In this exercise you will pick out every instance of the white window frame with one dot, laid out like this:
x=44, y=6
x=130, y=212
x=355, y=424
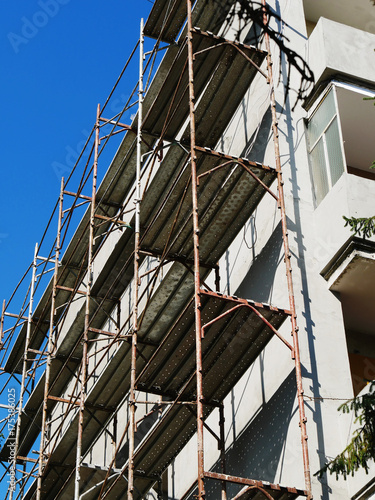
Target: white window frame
x=310, y=148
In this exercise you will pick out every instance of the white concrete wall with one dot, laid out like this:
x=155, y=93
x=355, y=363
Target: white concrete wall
x=337, y=48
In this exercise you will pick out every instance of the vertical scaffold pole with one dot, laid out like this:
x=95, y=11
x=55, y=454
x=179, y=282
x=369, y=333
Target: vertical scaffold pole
x=2, y=324
x=50, y=348
x=197, y=302
x=84, y=366
x=222, y=451
x=281, y=201
x=24, y=365
x=132, y=421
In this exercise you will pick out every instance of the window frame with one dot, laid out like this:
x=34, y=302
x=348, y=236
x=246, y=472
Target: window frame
x=322, y=137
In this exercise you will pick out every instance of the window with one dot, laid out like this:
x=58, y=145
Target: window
x=325, y=147
x=340, y=137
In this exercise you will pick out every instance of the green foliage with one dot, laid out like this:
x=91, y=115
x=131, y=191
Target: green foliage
x=361, y=225
x=361, y=449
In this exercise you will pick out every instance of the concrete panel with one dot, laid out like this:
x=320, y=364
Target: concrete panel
x=337, y=49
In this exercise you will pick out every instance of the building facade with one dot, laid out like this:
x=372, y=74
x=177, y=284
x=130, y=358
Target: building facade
x=208, y=310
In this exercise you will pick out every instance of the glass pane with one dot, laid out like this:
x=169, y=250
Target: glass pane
x=321, y=118
x=319, y=171
x=336, y=163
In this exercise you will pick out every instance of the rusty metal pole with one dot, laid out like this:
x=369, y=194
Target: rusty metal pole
x=114, y=440
x=222, y=451
x=24, y=365
x=217, y=277
x=197, y=301
x=50, y=347
x=84, y=367
x=281, y=202
x=2, y=324
x=132, y=419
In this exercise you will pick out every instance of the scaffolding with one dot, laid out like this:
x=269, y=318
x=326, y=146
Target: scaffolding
x=153, y=232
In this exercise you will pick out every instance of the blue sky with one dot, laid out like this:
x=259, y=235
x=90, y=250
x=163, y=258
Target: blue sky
x=59, y=58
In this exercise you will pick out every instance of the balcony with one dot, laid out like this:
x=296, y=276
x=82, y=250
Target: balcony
x=339, y=138
x=351, y=275
x=351, y=196
x=359, y=14
x=337, y=49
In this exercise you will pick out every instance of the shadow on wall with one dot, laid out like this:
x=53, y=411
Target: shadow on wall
x=259, y=449
x=142, y=429
x=306, y=329
x=258, y=282
x=256, y=146
x=255, y=151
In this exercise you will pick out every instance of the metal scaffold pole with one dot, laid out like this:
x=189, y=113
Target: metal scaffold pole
x=222, y=450
x=197, y=301
x=84, y=363
x=24, y=365
x=287, y=257
x=132, y=425
x=2, y=324
x=50, y=347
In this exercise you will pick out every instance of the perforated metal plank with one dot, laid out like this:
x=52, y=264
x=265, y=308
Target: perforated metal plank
x=167, y=17
x=226, y=200
x=255, y=489
x=221, y=74
x=229, y=349
x=173, y=363
x=276, y=491
x=166, y=20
